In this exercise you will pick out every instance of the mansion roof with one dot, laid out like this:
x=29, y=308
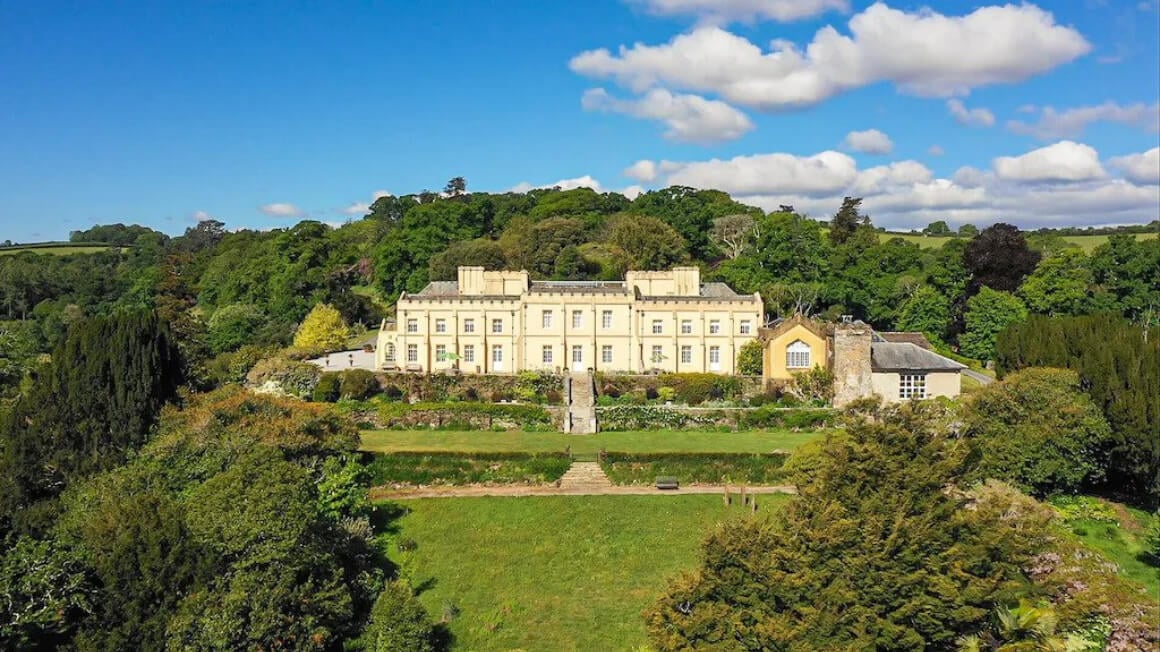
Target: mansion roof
x=447, y=289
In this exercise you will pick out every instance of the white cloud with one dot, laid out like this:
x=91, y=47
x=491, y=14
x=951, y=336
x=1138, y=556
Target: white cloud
x=922, y=53
x=725, y=11
x=1063, y=161
x=357, y=208
x=278, y=209
x=1071, y=123
x=200, y=216
x=1142, y=168
x=906, y=194
x=690, y=118
x=632, y=192
x=978, y=117
x=935, y=150
x=379, y=194
x=585, y=181
x=643, y=171
x=870, y=141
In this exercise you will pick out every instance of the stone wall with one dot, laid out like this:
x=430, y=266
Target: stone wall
x=851, y=363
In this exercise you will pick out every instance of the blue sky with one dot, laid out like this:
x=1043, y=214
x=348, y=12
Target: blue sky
x=162, y=112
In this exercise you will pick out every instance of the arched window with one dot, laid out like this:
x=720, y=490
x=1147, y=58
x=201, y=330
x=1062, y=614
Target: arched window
x=797, y=355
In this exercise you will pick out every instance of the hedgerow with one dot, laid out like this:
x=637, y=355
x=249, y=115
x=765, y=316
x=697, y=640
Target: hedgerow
x=695, y=468
x=451, y=468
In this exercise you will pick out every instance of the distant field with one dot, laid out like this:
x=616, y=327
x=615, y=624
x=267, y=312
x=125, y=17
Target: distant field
x=55, y=249
x=1087, y=242
x=553, y=573
x=647, y=441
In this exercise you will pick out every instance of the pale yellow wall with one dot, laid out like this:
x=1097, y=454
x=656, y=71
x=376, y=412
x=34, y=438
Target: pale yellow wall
x=775, y=350
x=630, y=333
x=940, y=383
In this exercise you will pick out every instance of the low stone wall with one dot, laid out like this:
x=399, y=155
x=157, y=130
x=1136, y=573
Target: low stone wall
x=658, y=417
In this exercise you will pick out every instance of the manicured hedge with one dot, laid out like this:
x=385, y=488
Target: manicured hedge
x=450, y=468
x=695, y=468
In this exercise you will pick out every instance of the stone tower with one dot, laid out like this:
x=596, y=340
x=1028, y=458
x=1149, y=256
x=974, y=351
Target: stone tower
x=851, y=362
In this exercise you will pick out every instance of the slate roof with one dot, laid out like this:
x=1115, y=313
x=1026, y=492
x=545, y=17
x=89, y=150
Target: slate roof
x=918, y=339
x=717, y=291
x=440, y=289
x=906, y=356
x=708, y=290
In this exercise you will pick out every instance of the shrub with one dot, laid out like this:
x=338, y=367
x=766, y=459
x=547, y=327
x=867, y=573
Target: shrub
x=327, y=389
x=451, y=468
x=399, y=622
x=651, y=394
x=610, y=390
x=696, y=468
x=553, y=397
x=470, y=394
x=666, y=393
x=358, y=384
x=232, y=367
x=470, y=415
x=322, y=329
x=392, y=392
x=283, y=376
x=501, y=395
x=1152, y=538
x=814, y=386
x=749, y=362
x=772, y=417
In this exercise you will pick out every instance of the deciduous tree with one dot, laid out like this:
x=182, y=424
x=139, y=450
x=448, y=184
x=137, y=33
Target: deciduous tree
x=323, y=329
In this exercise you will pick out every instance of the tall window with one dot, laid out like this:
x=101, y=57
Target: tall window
x=606, y=319
x=912, y=386
x=546, y=354
x=497, y=353
x=440, y=325
x=577, y=353
x=440, y=352
x=745, y=327
x=686, y=327
x=546, y=319
x=606, y=354
x=390, y=355
x=577, y=318
x=469, y=325
x=797, y=355
x=714, y=356
x=686, y=354
x=658, y=354
x=714, y=326
x=497, y=325
x=469, y=353
x=412, y=353
x=412, y=325
x=658, y=327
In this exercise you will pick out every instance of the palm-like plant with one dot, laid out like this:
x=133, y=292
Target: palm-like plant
x=1026, y=628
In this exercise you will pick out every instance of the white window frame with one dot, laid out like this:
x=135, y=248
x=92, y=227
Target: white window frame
x=497, y=325
x=469, y=325
x=546, y=354
x=606, y=354
x=686, y=354
x=469, y=353
x=745, y=328
x=412, y=353
x=546, y=319
x=412, y=325
x=389, y=356
x=686, y=327
x=911, y=386
x=798, y=355
x=657, y=355
x=577, y=319
x=658, y=327
x=577, y=353
x=497, y=353
x=714, y=358
x=440, y=352
x=606, y=319
x=440, y=325
x=714, y=326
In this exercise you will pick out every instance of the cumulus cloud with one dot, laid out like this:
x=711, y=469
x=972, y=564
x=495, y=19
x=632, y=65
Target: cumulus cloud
x=200, y=216
x=870, y=141
x=357, y=208
x=1063, y=161
x=935, y=150
x=585, y=181
x=1070, y=123
x=1142, y=168
x=978, y=117
x=725, y=11
x=923, y=53
x=643, y=171
x=1061, y=185
x=689, y=118
x=279, y=209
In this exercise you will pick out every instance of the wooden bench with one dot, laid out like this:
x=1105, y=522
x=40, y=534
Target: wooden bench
x=667, y=482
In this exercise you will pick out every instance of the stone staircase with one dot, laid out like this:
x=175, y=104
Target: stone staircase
x=581, y=405
x=584, y=477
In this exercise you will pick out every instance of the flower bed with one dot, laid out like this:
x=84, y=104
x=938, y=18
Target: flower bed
x=424, y=469
x=695, y=468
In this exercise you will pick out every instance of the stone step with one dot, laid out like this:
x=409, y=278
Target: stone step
x=584, y=475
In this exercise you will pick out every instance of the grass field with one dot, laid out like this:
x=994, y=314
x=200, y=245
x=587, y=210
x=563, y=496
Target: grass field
x=53, y=251
x=647, y=441
x=553, y=573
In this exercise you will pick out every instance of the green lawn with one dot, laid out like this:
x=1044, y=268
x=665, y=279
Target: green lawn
x=646, y=441
x=1123, y=545
x=1086, y=242
x=553, y=573
x=54, y=251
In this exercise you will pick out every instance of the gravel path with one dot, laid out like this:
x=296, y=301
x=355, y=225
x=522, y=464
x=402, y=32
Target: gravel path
x=383, y=493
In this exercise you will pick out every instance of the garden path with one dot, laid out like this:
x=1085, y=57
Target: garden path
x=388, y=493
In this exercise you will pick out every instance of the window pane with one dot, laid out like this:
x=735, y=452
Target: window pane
x=577, y=353
x=606, y=353
x=468, y=325
x=577, y=318
x=606, y=319
x=547, y=354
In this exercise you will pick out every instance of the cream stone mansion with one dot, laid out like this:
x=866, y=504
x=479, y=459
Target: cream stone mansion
x=503, y=322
